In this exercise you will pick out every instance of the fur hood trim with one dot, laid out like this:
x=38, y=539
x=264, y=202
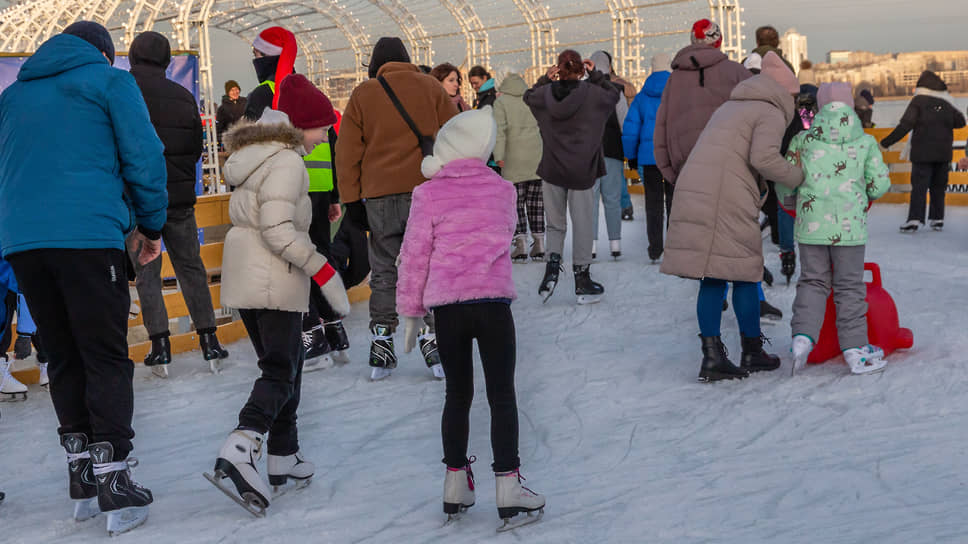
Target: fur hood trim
x=246, y=133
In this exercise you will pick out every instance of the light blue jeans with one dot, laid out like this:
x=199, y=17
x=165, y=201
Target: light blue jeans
x=609, y=187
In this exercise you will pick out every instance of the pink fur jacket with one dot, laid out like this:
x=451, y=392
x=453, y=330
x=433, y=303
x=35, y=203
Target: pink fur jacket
x=458, y=240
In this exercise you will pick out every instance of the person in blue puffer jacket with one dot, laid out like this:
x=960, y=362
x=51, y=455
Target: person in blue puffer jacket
x=81, y=167
x=637, y=142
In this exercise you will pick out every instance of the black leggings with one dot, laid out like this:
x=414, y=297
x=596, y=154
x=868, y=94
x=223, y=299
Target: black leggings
x=491, y=323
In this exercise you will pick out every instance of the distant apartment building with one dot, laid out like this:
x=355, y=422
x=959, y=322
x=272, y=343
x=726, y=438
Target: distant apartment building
x=838, y=57
x=794, y=46
x=894, y=74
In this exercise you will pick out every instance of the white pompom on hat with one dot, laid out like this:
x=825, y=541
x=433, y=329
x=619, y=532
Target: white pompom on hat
x=468, y=135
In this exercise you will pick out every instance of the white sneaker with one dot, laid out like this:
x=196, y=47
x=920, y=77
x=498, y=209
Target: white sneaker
x=10, y=387
x=801, y=348
x=458, y=489
x=860, y=363
x=283, y=467
x=438, y=371
x=44, y=379
x=911, y=226
x=513, y=498
x=378, y=373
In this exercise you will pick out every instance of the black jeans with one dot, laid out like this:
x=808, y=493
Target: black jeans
x=491, y=323
x=9, y=302
x=80, y=299
x=321, y=236
x=658, y=205
x=272, y=405
x=927, y=176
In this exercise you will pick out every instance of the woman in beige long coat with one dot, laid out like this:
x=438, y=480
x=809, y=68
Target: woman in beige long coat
x=714, y=232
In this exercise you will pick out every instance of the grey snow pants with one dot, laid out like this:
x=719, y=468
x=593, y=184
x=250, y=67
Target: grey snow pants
x=840, y=267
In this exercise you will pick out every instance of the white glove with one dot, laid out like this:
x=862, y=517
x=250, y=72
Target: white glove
x=411, y=327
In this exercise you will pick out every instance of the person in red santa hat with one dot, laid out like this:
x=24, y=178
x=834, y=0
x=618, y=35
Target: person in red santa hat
x=275, y=52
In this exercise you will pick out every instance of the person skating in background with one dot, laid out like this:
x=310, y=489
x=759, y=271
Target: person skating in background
x=378, y=165
x=609, y=187
x=807, y=75
x=843, y=174
x=450, y=79
x=484, y=85
x=518, y=151
x=10, y=387
x=174, y=114
x=572, y=104
x=714, y=233
x=767, y=41
x=637, y=142
x=932, y=115
x=109, y=178
x=274, y=51
x=864, y=107
x=232, y=108
x=27, y=336
x=455, y=262
x=268, y=265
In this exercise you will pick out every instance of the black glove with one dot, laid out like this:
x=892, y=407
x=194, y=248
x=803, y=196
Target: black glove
x=356, y=214
x=633, y=164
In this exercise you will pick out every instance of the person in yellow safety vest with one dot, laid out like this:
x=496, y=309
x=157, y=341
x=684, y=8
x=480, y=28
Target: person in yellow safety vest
x=274, y=51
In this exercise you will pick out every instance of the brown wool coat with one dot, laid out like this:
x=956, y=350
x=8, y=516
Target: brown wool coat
x=377, y=154
x=714, y=229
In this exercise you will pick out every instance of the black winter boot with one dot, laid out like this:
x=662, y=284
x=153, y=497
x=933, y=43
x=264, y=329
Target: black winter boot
x=755, y=359
x=160, y=353
x=211, y=349
x=550, y=280
x=715, y=362
x=587, y=291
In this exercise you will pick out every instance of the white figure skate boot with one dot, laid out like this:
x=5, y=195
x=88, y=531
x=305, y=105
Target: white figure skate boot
x=10, y=388
x=458, y=490
x=514, y=499
x=44, y=379
x=861, y=363
x=282, y=468
x=519, y=251
x=237, y=461
x=801, y=348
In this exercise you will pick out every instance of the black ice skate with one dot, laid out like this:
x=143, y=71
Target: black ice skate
x=587, y=291
x=22, y=348
x=121, y=498
x=715, y=362
x=212, y=351
x=236, y=461
x=788, y=264
x=627, y=214
x=428, y=348
x=338, y=341
x=316, y=349
x=383, y=358
x=550, y=280
x=159, y=357
x=767, y=277
x=81, y=483
x=769, y=314
x=754, y=359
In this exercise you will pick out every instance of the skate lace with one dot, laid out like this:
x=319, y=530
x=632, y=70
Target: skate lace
x=470, y=473
x=765, y=339
x=71, y=457
x=522, y=479
x=100, y=469
x=307, y=339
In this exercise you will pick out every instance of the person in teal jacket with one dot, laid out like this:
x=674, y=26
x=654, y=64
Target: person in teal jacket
x=81, y=167
x=844, y=173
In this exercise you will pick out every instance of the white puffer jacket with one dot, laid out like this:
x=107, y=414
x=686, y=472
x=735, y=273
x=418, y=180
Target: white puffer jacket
x=268, y=258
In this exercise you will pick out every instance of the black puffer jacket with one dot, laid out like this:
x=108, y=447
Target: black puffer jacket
x=932, y=118
x=228, y=113
x=174, y=114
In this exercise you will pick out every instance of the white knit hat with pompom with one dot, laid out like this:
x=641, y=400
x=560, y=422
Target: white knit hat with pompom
x=468, y=135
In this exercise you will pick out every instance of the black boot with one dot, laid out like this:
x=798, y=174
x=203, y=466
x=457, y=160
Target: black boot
x=336, y=336
x=160, y=353
x=788, y=264
x=588, y=291
x=755, y=359
x=715, y=362
x=550, y=280
x=211, y=349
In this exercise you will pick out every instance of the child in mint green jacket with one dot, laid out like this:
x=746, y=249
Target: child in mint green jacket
x=844, y=173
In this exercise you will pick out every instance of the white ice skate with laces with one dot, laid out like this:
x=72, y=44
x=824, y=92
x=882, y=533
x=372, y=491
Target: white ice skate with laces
x=513, y=499
x=10, y=388
x=237, y=461
x=458, y=490
x=287, y=472
x=860, y=361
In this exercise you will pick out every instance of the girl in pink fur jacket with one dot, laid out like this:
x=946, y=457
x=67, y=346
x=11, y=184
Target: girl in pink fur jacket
x=455, y=260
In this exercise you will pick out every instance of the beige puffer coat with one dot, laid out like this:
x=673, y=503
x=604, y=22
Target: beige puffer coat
x=714, y=228
x=518, y=141
x=268, y=258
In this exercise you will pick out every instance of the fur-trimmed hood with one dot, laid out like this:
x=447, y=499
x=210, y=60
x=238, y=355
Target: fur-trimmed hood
x=251, y=144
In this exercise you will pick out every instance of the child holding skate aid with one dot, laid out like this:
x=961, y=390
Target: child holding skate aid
x=844, y=173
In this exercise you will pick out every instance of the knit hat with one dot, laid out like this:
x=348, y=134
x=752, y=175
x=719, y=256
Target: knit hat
x=661, y=62
x=775, y=68
x=707, y=32
x=278, y=42
x=837, y=91
x=306, y=106
x=468, y=135
x=94, y=34
x=231, y=84
x=386, y=50
x=868, y=96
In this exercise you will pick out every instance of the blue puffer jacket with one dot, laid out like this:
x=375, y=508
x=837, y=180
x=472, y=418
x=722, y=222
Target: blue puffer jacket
x=640, y=122
x=76, y=147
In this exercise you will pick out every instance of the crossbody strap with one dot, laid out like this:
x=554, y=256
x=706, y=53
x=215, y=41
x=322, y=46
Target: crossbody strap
x=403, y=112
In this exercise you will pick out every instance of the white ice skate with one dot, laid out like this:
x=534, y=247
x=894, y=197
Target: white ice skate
x=802, y=346
x=514, y=499
x=873, y=352
x=860, y=362
x=44, y=379
x=519, y=249
x=236, y=461
x=911, y=226
x=10, y=388
x=283, y=468
x=458, y=490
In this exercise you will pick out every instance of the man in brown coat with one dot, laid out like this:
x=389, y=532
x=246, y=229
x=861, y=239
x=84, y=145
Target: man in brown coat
x=377, y=165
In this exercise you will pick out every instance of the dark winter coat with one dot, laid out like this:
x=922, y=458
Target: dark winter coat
x=261, y=97
x=571, y=116
x=487, y=95
x=174, y=114
x=229, y=113
x=612, y=144
x=932, y=117
x=639, y=127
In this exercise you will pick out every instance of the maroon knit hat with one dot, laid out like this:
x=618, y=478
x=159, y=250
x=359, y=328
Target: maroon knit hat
x=306, y=106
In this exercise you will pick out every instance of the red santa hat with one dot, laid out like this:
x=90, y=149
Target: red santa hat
x=278, y=42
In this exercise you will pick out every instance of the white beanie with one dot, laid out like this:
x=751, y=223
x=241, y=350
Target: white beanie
x=468, y=135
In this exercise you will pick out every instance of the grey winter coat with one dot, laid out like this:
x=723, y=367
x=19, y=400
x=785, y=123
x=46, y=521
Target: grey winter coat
x=268, y=258
x=518, y=141
x=714, y=229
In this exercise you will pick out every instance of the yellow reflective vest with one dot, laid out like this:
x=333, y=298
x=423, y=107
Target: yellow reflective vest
x=319, y=164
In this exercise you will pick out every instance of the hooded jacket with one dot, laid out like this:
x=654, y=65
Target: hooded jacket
x=571, y=117
x=76, y=146
x=518, y=138
x=714, y=228
x=268, y=258
x=174, y=114
x=639, y=128
x=756, y=58
x=932, y=116
x=229, y=113
x=612, y=144
x=702, y=79
x=843, y=173
x=486, y=95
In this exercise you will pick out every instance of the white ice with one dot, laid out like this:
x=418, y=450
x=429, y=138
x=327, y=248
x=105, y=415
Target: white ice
x=615, y=430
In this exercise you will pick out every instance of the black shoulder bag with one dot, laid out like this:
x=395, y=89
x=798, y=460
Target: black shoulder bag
x=426, y=142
